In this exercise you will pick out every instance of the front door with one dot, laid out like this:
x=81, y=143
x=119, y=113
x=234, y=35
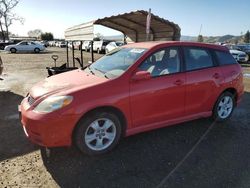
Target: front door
x=161, y=97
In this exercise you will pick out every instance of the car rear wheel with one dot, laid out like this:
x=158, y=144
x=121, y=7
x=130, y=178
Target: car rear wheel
x=36, y=50
x=98, y=133
x=224, y=107
x=13, y=50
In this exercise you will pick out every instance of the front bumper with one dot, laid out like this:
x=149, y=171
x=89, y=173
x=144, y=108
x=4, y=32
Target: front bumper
x=49, y=130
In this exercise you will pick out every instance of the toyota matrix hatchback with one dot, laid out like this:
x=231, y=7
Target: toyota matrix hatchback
x=136, y=88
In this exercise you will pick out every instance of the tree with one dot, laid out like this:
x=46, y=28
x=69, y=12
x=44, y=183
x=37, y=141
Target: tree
x=35, y=33
x=200, y=38
x=47, y=36
x=98, y=37
x=7, y=17
x=247, y=37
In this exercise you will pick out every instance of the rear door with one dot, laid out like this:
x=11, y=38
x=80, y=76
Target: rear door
x=31, y=46
x=203, y=80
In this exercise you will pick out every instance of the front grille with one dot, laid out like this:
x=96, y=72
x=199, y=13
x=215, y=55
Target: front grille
x=31, y=100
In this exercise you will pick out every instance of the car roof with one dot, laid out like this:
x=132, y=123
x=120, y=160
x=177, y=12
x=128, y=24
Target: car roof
x=152, y=44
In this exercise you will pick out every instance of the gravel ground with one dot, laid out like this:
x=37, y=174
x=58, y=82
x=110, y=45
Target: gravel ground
x=222, y=159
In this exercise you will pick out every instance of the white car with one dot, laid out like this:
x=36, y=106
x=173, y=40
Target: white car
x=62, y=44
x=86, y=45
x=236, y=53
x=100, y=46
x=25, y=46
x=239, y=56
x=113, y=45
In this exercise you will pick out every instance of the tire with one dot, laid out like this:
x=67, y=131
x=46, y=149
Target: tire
x=224, y=107
x=98, y=51
x=98, y=133
x=13, y=50
x=36, y=50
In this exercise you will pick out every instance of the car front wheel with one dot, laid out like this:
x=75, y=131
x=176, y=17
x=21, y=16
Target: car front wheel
x=224, y=107
x=13, y=50
x=98, y=133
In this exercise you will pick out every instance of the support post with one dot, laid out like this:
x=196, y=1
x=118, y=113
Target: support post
x=73, y=54
x=81, y=54
x=67, y=51
x=92, y=52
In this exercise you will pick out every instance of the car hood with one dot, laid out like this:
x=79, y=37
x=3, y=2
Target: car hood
x=9, y=46
x=65, y=82
x=237, y=52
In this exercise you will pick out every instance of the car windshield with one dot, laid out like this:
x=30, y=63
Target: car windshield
x=116, y=63
x=119, y=43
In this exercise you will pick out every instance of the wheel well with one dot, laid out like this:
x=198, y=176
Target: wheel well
x=232, y=91
x=111, y=109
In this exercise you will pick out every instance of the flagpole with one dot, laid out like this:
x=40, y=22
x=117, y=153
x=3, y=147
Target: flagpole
x=148, y=22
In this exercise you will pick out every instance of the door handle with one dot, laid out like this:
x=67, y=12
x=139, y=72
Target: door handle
x=233, y=73
x=178, y=82
x=216, y=75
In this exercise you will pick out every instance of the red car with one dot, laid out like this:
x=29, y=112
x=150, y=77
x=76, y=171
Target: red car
x=136, y=88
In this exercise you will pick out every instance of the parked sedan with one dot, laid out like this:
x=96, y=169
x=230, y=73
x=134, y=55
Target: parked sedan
x=62, y=44
x=245, y=48
x=113, y=45
x=239, y=55
x=25, y=46
x=136, y=88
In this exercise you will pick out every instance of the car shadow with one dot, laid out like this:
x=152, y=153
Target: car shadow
x=144, y=160
x=13, y=141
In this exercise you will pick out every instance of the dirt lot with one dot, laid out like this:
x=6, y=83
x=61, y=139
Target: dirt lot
x=222, y=159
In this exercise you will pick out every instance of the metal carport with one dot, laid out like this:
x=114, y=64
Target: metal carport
x=131, y=24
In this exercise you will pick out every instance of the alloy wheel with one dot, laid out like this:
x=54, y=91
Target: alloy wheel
x=100, y=134
x=225, y=107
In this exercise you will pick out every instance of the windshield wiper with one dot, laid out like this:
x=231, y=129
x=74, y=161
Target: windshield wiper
x=103, y=72
x=91, y=70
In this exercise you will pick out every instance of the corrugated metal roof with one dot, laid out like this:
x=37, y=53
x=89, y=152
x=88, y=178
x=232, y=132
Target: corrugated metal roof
x=133, y=25
x=80, y=32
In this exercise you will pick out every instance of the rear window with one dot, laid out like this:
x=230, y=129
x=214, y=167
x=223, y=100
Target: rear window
x=225, y=58
x=197, y=58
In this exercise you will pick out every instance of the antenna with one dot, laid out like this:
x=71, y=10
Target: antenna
x=200, y=29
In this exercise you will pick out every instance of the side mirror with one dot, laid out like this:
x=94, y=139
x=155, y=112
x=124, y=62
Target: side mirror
x=141, y=75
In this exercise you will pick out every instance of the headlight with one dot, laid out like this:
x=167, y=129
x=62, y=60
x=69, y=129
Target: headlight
x=53, y=103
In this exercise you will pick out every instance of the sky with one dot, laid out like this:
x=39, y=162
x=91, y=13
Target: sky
x=217, y=17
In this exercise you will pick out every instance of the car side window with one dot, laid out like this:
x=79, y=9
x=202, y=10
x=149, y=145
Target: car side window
x=197, y=58
x=224, y=58
x=163, y=62
x=23, y=43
